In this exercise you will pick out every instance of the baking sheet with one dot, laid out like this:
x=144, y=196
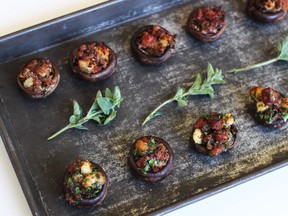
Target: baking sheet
x=40, y=164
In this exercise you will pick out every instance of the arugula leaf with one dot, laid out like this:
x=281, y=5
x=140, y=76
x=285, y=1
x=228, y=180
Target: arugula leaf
x=102, y=111
x=199, y=87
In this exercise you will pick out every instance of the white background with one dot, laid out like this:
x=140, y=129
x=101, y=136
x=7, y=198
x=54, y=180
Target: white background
x=265, y=196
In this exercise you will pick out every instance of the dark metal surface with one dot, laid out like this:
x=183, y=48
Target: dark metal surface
x=40, y=164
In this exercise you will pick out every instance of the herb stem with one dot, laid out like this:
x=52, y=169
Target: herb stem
x=88, y=117
x=102, y=111
x=254, y=66
x=150, y=116
x=60, y=131
x=198, y=87
x=70, y=125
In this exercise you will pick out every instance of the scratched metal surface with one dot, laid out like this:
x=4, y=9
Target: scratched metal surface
x=143, y=88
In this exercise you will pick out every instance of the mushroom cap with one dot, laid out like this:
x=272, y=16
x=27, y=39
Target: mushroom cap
x=203, y=149
x=199, y=35
x=265, y=17
x=86, y=203
x=277, y=123
x=150, y=176
x=148, y=59
x=94, y=77
x=31, y=94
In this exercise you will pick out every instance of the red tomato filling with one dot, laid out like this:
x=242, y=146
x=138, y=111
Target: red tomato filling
x=154, y=41
x=37, y=76
x=92, y=57
x=207, y=20
x=150, y=155
x=214, y=132
x=271, y=105
x=83, y=181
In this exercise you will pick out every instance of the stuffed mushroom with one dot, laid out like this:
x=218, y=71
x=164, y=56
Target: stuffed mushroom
x=151, y=158
x=271, y=106
x=267, y=11
x=85, y=184
x=152, y=44
x=93, y=61
x=214, y=133
x=38, y=78
x=207, y=23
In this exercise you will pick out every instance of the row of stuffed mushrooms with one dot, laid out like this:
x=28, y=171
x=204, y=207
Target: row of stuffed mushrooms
x=151, y=44
x=151, y=158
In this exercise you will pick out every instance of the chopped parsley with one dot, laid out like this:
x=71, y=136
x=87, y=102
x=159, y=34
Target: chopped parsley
x=77, y=190
x=152, y=143
x=70, y=181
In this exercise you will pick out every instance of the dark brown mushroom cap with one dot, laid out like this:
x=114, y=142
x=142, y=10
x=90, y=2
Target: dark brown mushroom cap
x=256, y=14
x=206, y=37
x=148, y=59
x=150, y=176
x=277, y=123
x=34, y=95
x=94, y=77
x=87, y=203
x=199, y=35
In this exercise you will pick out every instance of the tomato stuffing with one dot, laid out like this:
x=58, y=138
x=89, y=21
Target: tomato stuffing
x=38, y=76
x=155, y=40
x=207, y=20
x=83, y=180
x=271, y=106
x=92, y=57
x=150, y=155
x=214, y=133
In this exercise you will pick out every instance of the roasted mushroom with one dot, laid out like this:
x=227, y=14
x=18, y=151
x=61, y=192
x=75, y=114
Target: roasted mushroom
x=267, y=11
x=153, y=44
x=39, y=78
x=93, y=61
x=85, y=184
x=151, y=158
x=271, y=106
x=207, y=23
x=214, y=133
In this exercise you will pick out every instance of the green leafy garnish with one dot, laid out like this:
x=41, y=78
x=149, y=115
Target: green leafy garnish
x=199, y=87
x=70, y=181
x=88, y=189
x=102, y=111
x=282, y=55
x=152, y=143
x=149, y=164
x=77, y=190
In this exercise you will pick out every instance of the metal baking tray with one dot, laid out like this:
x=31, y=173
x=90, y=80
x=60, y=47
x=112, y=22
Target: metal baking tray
x=26, y=123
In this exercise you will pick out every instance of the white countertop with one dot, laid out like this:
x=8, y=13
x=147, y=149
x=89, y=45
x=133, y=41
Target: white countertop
x=265, y=196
